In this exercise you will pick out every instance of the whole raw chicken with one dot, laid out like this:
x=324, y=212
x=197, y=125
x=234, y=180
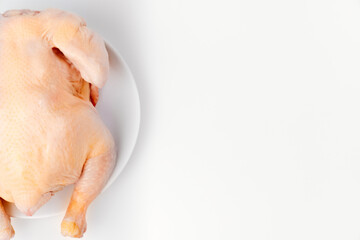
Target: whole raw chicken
x=51, y=66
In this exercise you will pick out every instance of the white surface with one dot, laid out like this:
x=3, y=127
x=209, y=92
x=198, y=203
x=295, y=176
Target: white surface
x=119, y=108
x=250, y=121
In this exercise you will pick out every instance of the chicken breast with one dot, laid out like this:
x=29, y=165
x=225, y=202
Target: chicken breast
x=51, y=66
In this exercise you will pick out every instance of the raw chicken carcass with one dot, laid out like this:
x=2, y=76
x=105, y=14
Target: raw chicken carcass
x=51, y=66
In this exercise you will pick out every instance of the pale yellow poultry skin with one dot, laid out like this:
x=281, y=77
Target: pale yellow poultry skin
x=51, y=135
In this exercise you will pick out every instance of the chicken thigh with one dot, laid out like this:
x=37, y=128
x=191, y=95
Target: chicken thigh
x=51, y=67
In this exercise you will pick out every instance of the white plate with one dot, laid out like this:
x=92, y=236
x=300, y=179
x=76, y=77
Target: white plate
x=119, y=107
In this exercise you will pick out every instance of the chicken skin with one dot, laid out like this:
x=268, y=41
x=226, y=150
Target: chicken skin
x=51, y=67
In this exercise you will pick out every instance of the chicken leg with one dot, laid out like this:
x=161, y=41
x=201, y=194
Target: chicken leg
x=6, y=230
x=94, y=176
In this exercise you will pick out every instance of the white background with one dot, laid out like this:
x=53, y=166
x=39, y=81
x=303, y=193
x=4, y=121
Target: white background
x=250, y=120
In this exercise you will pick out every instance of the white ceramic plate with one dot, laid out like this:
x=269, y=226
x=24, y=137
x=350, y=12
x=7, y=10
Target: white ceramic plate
x=119, y=107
